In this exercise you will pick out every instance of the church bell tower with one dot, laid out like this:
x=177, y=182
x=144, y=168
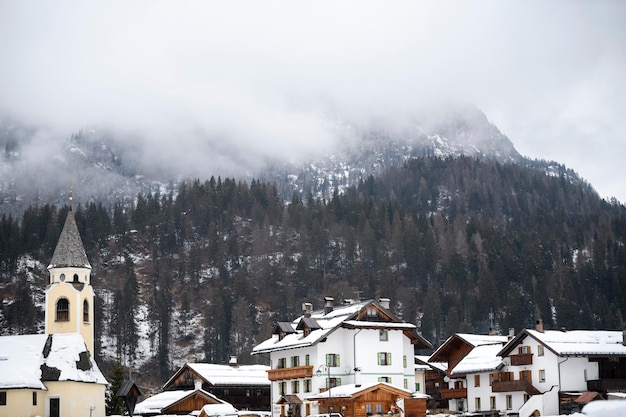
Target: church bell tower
x=69, y=295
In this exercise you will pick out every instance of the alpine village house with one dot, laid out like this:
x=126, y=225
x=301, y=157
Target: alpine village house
x=356, y=359
x=54, y=374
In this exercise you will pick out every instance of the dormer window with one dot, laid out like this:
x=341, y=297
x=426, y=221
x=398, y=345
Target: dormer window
x=63, y=310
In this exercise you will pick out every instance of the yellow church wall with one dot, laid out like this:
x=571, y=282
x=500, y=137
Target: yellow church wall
x=20, y=403
x=77, y=398
x=75, y=324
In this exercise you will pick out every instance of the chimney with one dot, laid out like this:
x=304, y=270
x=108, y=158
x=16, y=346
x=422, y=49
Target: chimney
x=233, y=361
x=197, y=383
x=328, y=304
x=539, y=326
x=384, y=302
x=307, y=308
x=511, y=333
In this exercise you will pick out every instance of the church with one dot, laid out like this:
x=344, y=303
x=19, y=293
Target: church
x=55, y=374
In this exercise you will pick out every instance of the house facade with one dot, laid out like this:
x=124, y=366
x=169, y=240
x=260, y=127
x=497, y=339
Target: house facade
x=560, y=366
x=54, y=374
x=246, y=387
x=471, y=360
x=358, y=342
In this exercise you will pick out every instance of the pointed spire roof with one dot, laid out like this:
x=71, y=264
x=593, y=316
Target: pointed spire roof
x=70, y=251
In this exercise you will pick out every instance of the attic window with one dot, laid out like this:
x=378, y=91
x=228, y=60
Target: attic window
x=63, y=310
x=371, y=312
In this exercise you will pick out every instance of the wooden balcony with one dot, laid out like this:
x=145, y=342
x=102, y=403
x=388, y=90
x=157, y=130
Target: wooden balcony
x=521, y=359
x=513, y=386
x=603, y=385
x=290, y=373
x=450, y=394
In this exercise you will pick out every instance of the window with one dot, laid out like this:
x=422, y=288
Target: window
x=295, y=361
x=368, y=409
x=3, y=398
x=282, y=388
x=540, y=351
x=477, y=380
x=307, y=359
x=189, y=378
x=259, y=392
x=383, y=335
x=458, y=384
x=371, y=312
x=384, y=379
x=384, y=358
x=523, y=350
x=460, y=405
x=34, y=398
x=477, y=403
x=406, y=383
x=509, y=402
x=404, y=361
x=332, y=359
x=492, y=403
x=526, y=397
x=62, y=277
x=248, y=393
x=295, y=387
x=86, y=311
x=379, y=408
x=75, y=278
x=282, y=363
x=307, y=385
x=526, y=376
x=63, y=310
x=333, y=382
x=542, y=375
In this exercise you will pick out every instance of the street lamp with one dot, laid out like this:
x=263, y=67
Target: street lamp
x=322, y=369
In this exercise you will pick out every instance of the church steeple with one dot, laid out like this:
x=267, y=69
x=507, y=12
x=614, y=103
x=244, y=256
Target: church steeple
x=69, y=296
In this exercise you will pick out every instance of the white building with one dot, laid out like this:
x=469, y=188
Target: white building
x=354, y=343
x=559, y=366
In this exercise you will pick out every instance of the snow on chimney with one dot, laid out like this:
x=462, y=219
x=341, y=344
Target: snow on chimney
x=307, y=308
x=232, y=361
x=329, y=303
x=511, y=333
x=384, y=302
x=539, y=326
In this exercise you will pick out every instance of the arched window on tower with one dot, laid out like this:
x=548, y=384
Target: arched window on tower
x=63, y=310
x=86, y=311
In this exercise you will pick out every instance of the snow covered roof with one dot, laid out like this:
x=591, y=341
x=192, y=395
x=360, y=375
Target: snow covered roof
x=327, y=322
x=28, y=361
x=482, y=339
x=161, y=401
x=350, y=390
x=466, y=342
x=69, y=251
x=438, y=366
x=573, y=342
x=481, y=358
x=227, y=374
x=218, y=409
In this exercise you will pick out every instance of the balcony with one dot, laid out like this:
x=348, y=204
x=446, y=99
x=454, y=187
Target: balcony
x=450, y=394
x=513, y=386
x=290, y=373
x=521, y=359
x=600, y=385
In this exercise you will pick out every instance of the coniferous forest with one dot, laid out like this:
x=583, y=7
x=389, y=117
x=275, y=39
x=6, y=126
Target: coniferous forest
x=204, y=273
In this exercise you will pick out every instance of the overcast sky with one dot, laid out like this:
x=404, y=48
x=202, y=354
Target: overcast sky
x=177, y=75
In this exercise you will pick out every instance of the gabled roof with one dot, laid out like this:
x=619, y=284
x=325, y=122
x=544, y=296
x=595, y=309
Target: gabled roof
x=309, y=323
x=29, y=361
x=351, y=315
x=573, y=342
x=69, y=251
x=226, y=375
x=162, y=401
x=352, y=391
x=481, y=359
x=441, y=367
x=463, y=340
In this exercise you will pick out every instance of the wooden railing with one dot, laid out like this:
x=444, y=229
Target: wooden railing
x=448, y=394
x=512, y=386
x=521, y=359
x=607, y=385
x=290, y=373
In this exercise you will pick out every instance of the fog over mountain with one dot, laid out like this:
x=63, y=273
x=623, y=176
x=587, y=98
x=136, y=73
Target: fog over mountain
x=221, y=86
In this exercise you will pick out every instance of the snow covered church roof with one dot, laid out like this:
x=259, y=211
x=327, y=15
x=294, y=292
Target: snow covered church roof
x=29, y=361
x=69, y=251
